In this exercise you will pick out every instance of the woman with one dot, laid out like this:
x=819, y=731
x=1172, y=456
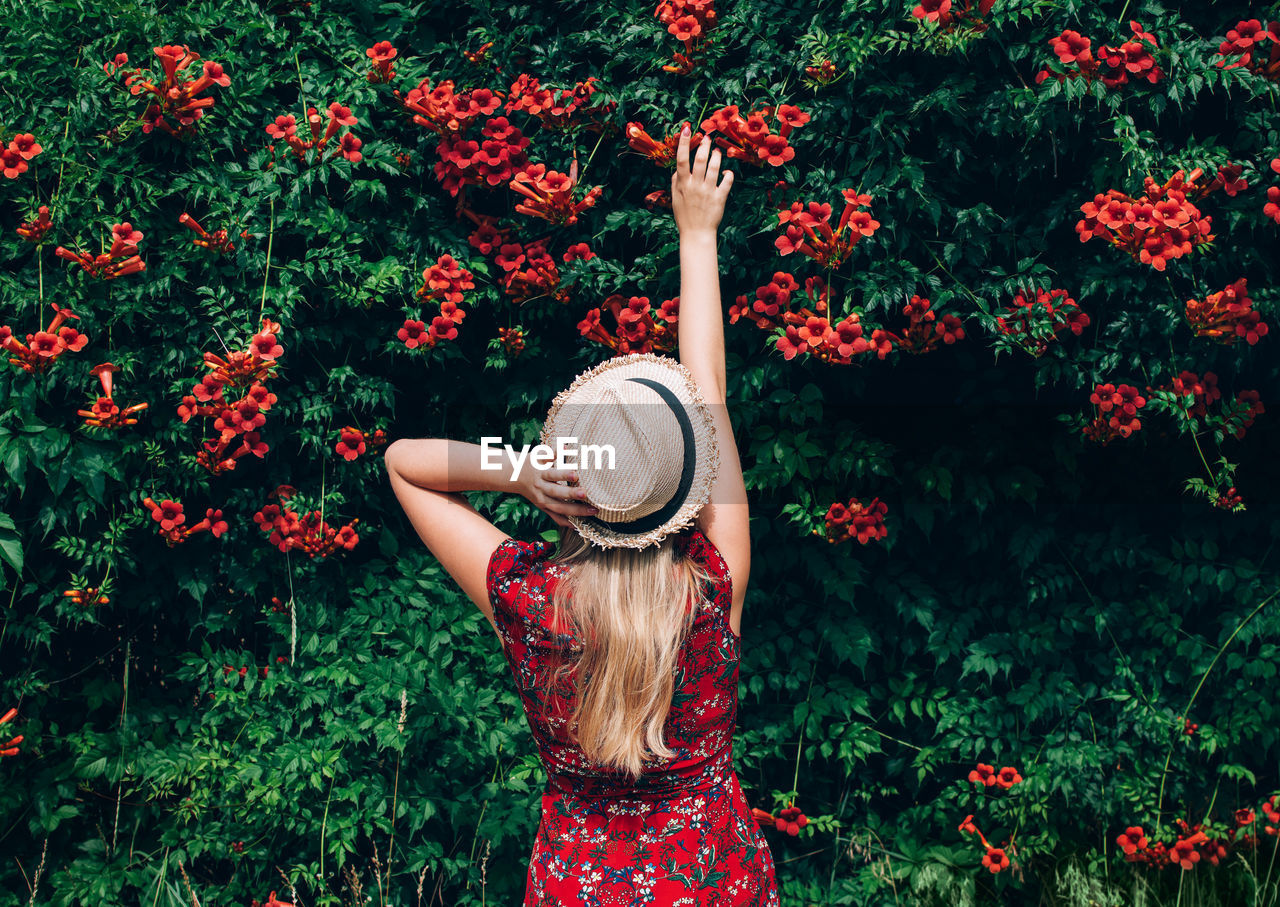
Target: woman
x=625, y=643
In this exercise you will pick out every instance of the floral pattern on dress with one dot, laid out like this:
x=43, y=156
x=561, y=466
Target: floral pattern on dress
x=682, y=834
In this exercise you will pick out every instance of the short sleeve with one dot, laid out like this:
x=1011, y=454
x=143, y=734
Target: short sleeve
x=703, y=552
x=511, y=562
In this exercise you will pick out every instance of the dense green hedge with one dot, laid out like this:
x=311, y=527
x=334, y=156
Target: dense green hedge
x=236, y=719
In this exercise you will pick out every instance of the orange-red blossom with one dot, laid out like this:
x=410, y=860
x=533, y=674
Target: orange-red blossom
x=239, y=418
x=175, y=96
x=285, y=127
x=118, y=261
x=1227, y=316
x=9, y=748
x=105, y=413
x=549, y=194
x=808, y=229
x=168, y=513
x=218, y=241
x=44, y=347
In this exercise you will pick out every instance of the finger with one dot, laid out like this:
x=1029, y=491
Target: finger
x=726, y=180
x=576, y=510
x=682, y=153
x=700, y=158
x=564, y=492
x=560, y=475
x=713, y=165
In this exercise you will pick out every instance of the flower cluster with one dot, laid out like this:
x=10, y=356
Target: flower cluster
x=996, y=859
x=1246, y=43
x=527, y=269
x=1204, y=392
x=856, y=520
x=689, y=21
x=14, y=156
x=1113, y=66
x=285, y=127
x=511, y=340
x=1203, y=842
x=789, y=820
x=808, y=229
x=175, y=96
x=382, y=53
x=549, y=195
x=806, y=330
x=168, y=513
x=353, y=442
x=443, y=281
x=240, y=418
x=1034, y=323
x=1160, y=225
x=492, y=161
x=270, y=902
x=1116, y=414
x=44, y=347
x=87, y=597
x=218, y=241
x=567, y=109
x=924, y=332
x=640, y=327
x=263, y=672
x=1227, y=316
x=478, y=56
x=118, y=261
x=306, y=532
x=33, y=231
x=105, y=413
x=750, y=139
x=9, y=747
x=1272, y=207
x=987, y=776
x=661, y=153
x=824, y=73
x=446, y=111
x=950, y=16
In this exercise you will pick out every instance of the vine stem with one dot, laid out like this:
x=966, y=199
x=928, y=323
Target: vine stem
x=266, y=270
x=1187, y=711
x=1194, y=435
x=795, y=781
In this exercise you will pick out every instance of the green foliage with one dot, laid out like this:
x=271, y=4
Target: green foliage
x=1040, y=601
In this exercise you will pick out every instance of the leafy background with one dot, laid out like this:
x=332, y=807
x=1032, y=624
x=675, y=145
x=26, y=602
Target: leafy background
x=1039, y=601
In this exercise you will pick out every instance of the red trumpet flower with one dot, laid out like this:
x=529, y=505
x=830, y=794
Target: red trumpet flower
x=175, y=96
x=550, y=194
x=808, y=229
x=34, y=231
x=381, y=54
x=219, y=241
x=168, y=513
x=44, y=347
x=105, y=413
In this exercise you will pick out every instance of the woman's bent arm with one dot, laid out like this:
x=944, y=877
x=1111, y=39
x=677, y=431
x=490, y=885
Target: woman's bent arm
x=427, y=475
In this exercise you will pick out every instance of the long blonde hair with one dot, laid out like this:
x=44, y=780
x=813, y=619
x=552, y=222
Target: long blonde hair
x=631, y=610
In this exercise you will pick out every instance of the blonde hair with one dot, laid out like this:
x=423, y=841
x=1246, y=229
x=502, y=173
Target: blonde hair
x=632, y=610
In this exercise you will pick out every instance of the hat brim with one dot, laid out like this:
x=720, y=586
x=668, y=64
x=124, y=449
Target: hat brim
x=681, y=382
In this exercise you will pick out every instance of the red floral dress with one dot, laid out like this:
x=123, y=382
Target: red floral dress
x=682, y=834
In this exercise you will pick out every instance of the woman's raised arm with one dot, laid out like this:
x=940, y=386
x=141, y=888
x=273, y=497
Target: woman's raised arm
x=698, y=205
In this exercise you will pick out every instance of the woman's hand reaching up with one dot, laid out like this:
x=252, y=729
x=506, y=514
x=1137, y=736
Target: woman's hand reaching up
x=696, y=201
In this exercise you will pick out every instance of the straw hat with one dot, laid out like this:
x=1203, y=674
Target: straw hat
x=649, y=410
